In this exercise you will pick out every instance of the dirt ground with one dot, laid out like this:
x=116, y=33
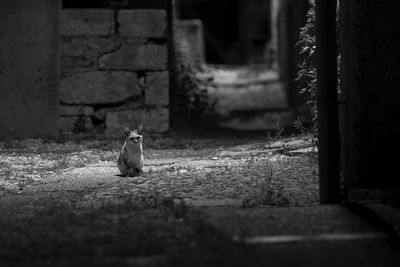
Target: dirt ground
x=62, y=203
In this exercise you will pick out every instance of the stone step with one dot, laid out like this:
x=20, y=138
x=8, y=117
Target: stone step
x=329, y=235
x=250, y=121
x=246, y=97
x=369, y=252
x=285, y=221
x=243, y=76
x=264, y=96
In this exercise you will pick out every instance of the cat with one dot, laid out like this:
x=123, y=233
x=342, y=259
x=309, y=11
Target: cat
x=130, y=158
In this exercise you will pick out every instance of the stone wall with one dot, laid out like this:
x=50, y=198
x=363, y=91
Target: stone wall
x=114, y=70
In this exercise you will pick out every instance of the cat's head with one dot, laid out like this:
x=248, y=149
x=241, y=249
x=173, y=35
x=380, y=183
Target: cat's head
x=134, y=136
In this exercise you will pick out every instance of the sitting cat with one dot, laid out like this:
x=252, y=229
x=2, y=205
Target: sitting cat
x=130, y=158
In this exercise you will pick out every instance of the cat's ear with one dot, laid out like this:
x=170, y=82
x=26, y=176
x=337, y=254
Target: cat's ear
x=139, y=129
x=127, y=131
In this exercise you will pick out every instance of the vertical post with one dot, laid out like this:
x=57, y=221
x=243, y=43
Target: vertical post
x=328, y=124
x=173, y=11
x=274, y=44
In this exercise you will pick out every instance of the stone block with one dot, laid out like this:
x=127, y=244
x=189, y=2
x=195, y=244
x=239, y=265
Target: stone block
x=263, y=96
x=70, y=65
x=269, y=120
x=116, y=121
x=75, y=110
x=136, y=57
x=135, y=41
x=98, y=87
x=75, y=124
x=189, y=39
x=153, y=120
x=157, y=89
x=143, y=23
x=157, y=120
x=98, y=22
x=100, y=114
x=78, y=46
x=80, y=53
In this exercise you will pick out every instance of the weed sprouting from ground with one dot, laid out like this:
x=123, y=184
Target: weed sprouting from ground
x=280, y=179
x=298, y=126
x=268, y=189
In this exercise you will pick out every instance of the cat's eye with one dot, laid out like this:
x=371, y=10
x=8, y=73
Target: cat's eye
x=134, y=138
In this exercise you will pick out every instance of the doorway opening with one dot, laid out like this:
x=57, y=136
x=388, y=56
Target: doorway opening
x=246, y=56
x=236, y=66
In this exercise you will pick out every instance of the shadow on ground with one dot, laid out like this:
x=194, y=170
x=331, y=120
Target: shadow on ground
x=197, y=203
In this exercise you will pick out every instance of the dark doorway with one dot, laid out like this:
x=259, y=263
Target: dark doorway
x=235, y=32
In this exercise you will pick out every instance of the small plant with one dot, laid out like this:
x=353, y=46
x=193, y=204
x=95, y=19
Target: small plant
x=307, y=74
x=193, y=80
x=298, y=126
x=268, y=191
x=194, y=93
x=275, y=134
x=80, y=125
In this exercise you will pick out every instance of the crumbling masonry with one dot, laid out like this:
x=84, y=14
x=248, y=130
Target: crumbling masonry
x=114, y=70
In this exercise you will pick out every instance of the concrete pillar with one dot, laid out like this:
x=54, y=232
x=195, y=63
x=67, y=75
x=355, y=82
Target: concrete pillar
x=29, y=68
